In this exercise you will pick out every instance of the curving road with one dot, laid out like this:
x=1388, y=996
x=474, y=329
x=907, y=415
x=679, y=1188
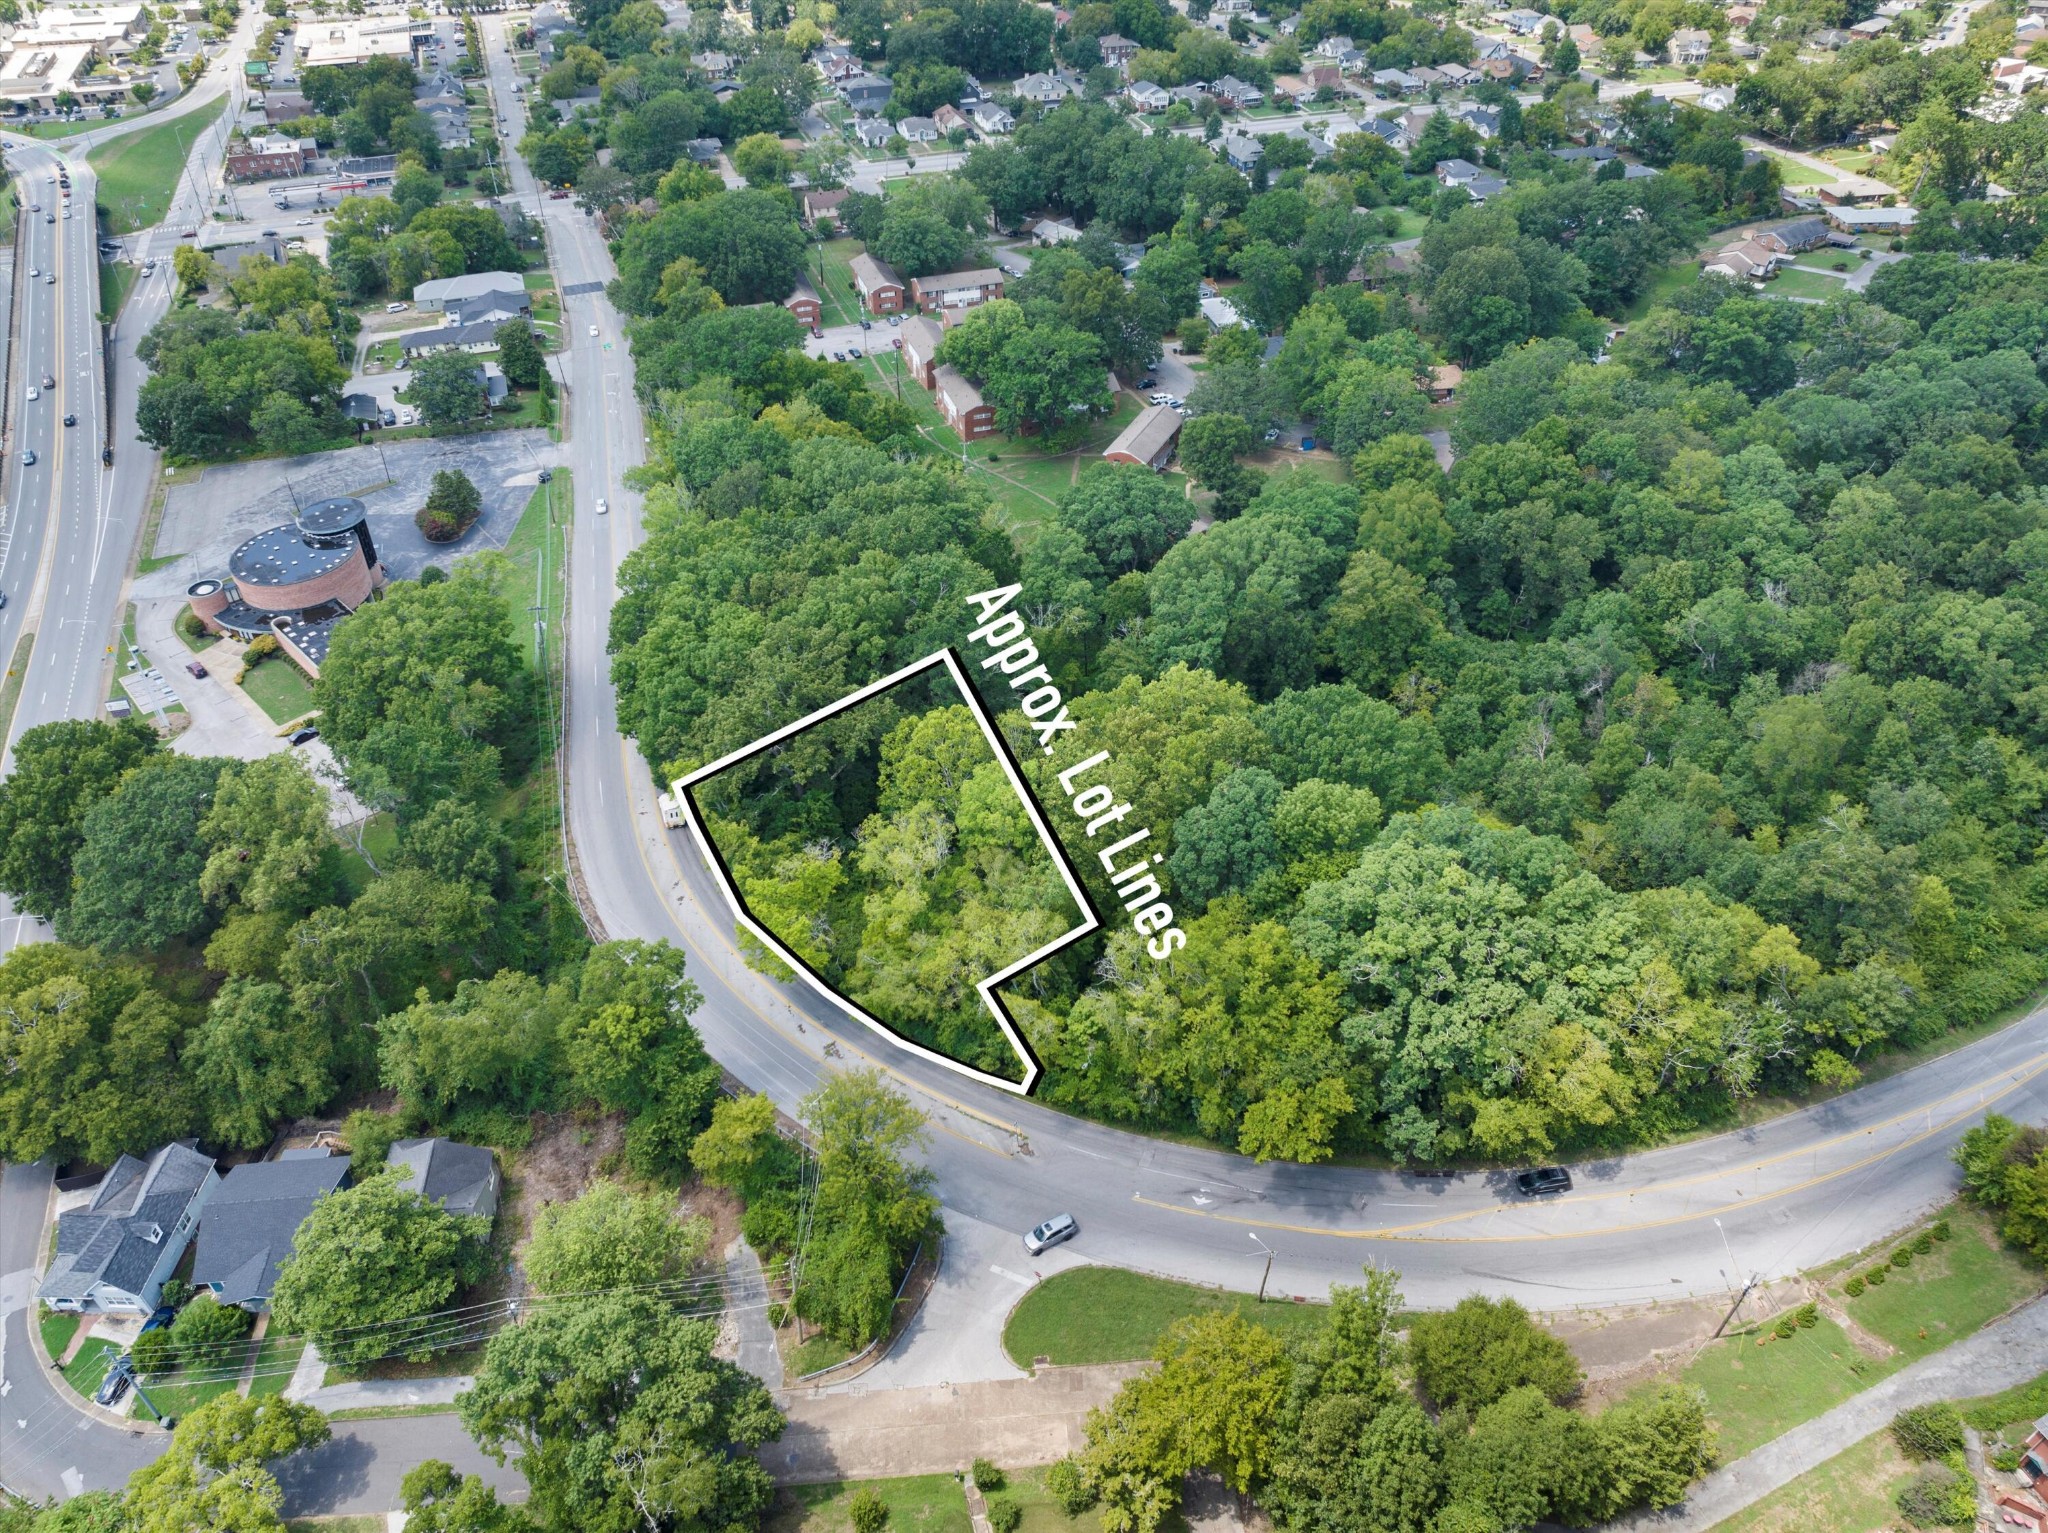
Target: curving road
x=1689, y=1220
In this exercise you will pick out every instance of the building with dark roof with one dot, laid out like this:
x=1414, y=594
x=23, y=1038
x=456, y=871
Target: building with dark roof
x=1148, y=440
x=246, y=1233
x=295, y=581
x=114, y=1253
x=462, y=1178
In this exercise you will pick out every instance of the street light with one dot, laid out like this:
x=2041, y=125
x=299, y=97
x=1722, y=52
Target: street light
x=1735, y=1308
x=1269, y=1263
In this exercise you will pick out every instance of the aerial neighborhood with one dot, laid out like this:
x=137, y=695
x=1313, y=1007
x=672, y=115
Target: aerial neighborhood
x=1006, y=767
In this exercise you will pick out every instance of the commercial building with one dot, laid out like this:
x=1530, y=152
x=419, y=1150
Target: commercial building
x=506, y=286
x=295, y=581
x=271, y=156
x=357, y=41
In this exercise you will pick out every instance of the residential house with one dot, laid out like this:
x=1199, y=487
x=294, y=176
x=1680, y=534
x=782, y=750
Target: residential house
x=1415, y=122
x=246, y=1231
x=479, y=335
x=970, y=92
x=506, y=287
x=114, y=1253
x=803, y=303
x=1598, y=154
x=961, y=404
x=955, y=289
x=1147, y=97
x=282, y=106
x=881, y=290
x=1388, y=128
x=1046, y=90
x=1689, y=47
x=1194, y=93
x=1430, y=78
x=950, y=119
x=1716, y=98
x=712, y=62
x=1383, y=267
x=1506, y=70
x=1319, y=148
x=1830, y=39
x=872, y=132
x=1800, y=234
x=1482, y=187
x=992, y=119
x=229, y=258
x=2034, y=1452
x=703, y=151
x=918, y=130
x=1441, y=383
x=1855, y=191
x=450, y=123
x=1054, y=231
x=2015, y=77
x=1458, y=76
x=1148, y=441
x=865, y=94
x=835, y=61
x=1397, y=81
x=1116, y=51
x=462, y=1178
x=1639, y=172
x=1871, y=220
x=1523, y=23
x=1221, y=313
x=816, y=204
x=1354, y=61
x=1487, y=48
x=1483, y=120
x=1334, y=47
x=1456, y=172
x=1875, y=26
x=921, y=339
x=1242, y=153
x=1322, y=77
x=1745, y=261
x=1238, y=93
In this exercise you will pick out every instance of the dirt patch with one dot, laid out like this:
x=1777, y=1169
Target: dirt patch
x=1621, y=1348
x=557, y=1167
x=722, y=1207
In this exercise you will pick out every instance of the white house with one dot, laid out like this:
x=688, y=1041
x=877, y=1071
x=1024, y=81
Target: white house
x=1147, y=97
x=114, y=1253
x=1046, y=90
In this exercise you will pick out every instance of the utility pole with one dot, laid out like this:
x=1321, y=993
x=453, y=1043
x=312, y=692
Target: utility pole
x=1747, y=1288
x=1263, y=1276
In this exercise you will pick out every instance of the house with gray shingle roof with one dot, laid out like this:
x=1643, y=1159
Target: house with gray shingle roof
x=114, y=1253
x=462, y=1178
x=246, y=1233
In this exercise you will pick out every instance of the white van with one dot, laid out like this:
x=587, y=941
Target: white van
x=671, y=812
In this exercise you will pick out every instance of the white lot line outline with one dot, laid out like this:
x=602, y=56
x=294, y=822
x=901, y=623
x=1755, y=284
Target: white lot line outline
x=987, y=987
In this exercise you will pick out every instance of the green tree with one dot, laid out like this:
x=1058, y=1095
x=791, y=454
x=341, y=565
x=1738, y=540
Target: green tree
x=255, y=1062
x=619, y=1414
x=438, y=1500
x=1483, y=1349
x=762, y=160
x=370, y=1265
x=216, y=1472
x=494, y=1043
x=447, y=388
x=136, y=879
x=1128, y=516
x=267, y=839
x=61, y=771
x=453, y=505
x=519, y=354
x=631, y=1048
x=610, y=1238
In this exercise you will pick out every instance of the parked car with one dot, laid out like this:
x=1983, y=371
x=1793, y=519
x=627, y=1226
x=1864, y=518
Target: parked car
x=396, y=308
x=1049, y=1234
x=115, y=1384
x=305, y=736
x=160, y=1317
x=1272, y=433
x=854, y=352
x=1543, y=1181
x=839, y=356
x=196, y=668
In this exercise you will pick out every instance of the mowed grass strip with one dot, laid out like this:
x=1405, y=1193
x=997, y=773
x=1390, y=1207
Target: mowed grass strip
x=1850, y=1493
x=1104, y=1315
x=138, y=173
x=1958, y=1288
x=924, y=1503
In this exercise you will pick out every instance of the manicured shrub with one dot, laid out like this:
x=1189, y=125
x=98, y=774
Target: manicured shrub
x=988, y=1477
x=869, y=1512
x=1923, y=1243
x=1903, y=1257
x=1875, y=1276
x=1928, y=1431
x=1785, y=1327
x=1941, y=1231
x=1004, y=1514
x=1807, y=1316
x=1853, y=1287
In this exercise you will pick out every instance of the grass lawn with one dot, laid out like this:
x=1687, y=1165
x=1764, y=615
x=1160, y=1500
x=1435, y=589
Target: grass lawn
x=58, y=1329
x=181, y=1400
x=1827, y=260
x=85, y=1371
x=1104, y=1315
x=1959, y=1287
x=2016, y=1408
x=1803, y=284
x=117, y=280
x=1755, y=1393
x=1850, y=1493
x=1412, y=223
x=55, y=130
x=534, y=570
x=138, y=173
x=925, y=1503
x=275, y=1362
x=280, y=689
x=336, y=1525
x=1795, y=173
x=1662, y=287
x=813, y=1356
x=1042, y=1514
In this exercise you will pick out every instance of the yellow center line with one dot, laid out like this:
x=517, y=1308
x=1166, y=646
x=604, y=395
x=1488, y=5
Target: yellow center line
x=1412, y=1231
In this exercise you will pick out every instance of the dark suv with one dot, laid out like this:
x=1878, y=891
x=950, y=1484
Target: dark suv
x=1543, y=1181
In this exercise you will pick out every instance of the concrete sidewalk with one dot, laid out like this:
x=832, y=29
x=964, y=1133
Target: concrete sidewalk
x=372, y=1394
x=2003, y=1354
x=941, y=1428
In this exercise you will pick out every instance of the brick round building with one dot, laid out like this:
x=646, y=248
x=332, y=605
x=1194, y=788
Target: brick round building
x=295, y=581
